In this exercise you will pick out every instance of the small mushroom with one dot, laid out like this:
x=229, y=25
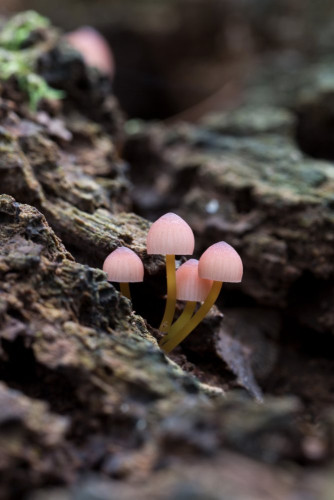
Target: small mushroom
x=191, y=288
x=220, y=262
x=94, y=49
x=170, y=235
x=124, y=266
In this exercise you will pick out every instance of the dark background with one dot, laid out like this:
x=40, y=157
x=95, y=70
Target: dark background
x=193, y=56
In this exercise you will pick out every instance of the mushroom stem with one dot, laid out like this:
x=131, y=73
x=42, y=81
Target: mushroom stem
x=171, y=294
x=125, y=290
x=196, y=319
x=179, y=323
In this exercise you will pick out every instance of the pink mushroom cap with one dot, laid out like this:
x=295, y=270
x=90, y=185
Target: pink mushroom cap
x=170, y=235
x=189, y=286
x=221, y=262
x=124, y=266
x=94, y=48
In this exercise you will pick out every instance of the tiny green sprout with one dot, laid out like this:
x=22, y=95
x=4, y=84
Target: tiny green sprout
x=124, y=266
x=37, y=89
x=18, y=29
x=19, y=63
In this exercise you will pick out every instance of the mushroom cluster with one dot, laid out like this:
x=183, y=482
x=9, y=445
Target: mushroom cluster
x=193, y=282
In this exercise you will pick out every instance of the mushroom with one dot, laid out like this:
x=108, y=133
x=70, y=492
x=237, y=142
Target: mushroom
x=191, y=288
x=170, y=235
x=124, y=266
x=94, y=49
x=220, y=262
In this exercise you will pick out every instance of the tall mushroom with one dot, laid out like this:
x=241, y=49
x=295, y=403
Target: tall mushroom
x=220, y=262
x=170, y=235
x=124, y=266
x=190, y=288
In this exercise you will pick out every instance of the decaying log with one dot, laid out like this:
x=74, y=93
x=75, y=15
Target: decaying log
x=88, y=402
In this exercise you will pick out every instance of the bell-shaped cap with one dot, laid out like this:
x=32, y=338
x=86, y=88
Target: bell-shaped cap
x=170, y=235
x=189, y=286
x=124, y=266
x=221, y=262
x=94, y=49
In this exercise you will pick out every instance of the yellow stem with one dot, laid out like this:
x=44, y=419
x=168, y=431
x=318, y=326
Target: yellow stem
x=180, y=322
x=196, y=319
x=125, y=290
x=171, y=294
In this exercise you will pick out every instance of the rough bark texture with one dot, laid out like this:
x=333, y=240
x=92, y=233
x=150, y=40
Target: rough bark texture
x=88, y=402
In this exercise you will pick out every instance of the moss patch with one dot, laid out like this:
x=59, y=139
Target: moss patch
x=20, y=63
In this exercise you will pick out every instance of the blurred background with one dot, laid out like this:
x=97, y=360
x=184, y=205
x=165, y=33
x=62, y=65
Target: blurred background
x=186, y=57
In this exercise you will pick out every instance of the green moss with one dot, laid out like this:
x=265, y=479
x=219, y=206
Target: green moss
x=21, y=63
x=19, y=28
x=37, y=89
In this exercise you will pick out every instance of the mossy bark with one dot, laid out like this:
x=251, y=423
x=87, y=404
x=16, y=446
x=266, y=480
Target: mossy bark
x=87, y=396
